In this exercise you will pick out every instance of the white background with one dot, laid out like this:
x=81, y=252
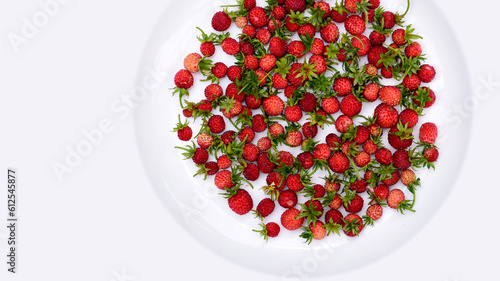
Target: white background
x=103, y=221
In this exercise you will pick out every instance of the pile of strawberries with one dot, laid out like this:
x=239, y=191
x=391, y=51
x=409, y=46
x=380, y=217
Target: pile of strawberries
x=288, y=110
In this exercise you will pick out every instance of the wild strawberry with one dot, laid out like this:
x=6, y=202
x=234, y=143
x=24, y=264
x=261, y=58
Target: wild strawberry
x=389, y=20
x=408, y=117
x=426, y=73
x=332, y=140
x=295, y=76
x=428, y=94
x=383, y=156
x=275, y=180
x=351, y=5
x=362, y=43
x=334, y=216
x=184, y=132
x=428, y=132
x=246, y=134
x=338, y=163
x=223, y=162
x=219, y=70
x=264, y=144
x=273, y=105
x=355, y=25
x=289, y=219
x=392, y=179
x=376, y=38
x=245, y=47
x=240, y=21
x=259, y=123
x=396, y=196
x=316, y=230
x=263, y=35
x=294, y=138
x=251, y=172
x=249, y=4
x=228, y=136
x=284, y=158
x=277, y=46
x=338, y=15
x=291, y=25
x=386, y=115
x=213, y=91
x=223, y=179
x=264, y=163
x=350, y=105
x=408, y=177
x=390, y=95
x=399, y=36
x=342, y=86
x=240, y=201
x=262, y=77
x=287, y=199
x=264, y=208
x=308, y=102
x=370, y=147
x=279, y=82
x=354, y=205
x=386, y=72
x=319, y=63
x=276, y=129
x=250, y=152
x=295, y=5
x=374, y=56
x=322, y=151
x=267, y=62
x=307, y=30
x=362, y=159
x=413, y=50
x=205, y=140
x=207, y=48
x=183, y=79
x=353, y=225
x=371, y=91
x=343, y=123
x=305, y=159
x=330, y=105
x=191, y=62
x=399, y=139
x=309, y=130
x=293, y=113
x=251, y=62
x=431, y=154
x=230, y=46
x=411, y=82
x=375, y=211
x=401, y=159
x=381, y=191
x=319, y=191
x=257, y=17
x=270, y=229
x=221, y=21
x=278, y=12
x=330, y=33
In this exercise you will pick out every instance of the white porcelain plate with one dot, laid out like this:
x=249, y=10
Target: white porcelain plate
x=196, y=204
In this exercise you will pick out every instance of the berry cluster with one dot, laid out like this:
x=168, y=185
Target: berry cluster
x=289, y=109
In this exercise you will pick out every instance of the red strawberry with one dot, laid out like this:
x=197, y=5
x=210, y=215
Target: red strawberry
x=294, y=138
x=223, y=179
x=383, y=156
x=399, y=141
x=221, y=21
x=265, y=207
x=273, y=105
x=428, y=132
x=200, y=156
x=362, y=43
x=426, y=73
x=294, y=75
x=429, y=93
x=267, y=62
x=334, y=216
x=399, y=36
x=338, y=163
x=250, y=152
x=370, y=147
x=295, y=5
x=343, y=86
x=408, y=117
x=184, y=132
x=263, y=35
x=413, y=50
x=223, y=162
x=305, y=159
x=401, y=159
x=287, y=199
x=240, y=202
x=276, y=129
x=332, y=140
x=319, y=191
x=278, y=12
x=204, y=140
x=228, y=136
x=270, y=229
x=355, y=205
x=408, y=177
x=251, y=62
x=396, y=196
x=355, y=25
x=219, y=70
x=375, y=211
x=307, y=30
x=257, y=17
x=289, y=219
x=309, y=130
x=371, y=91
x=253, y=102
x=213, y=91
x=389, y=19
x=319, y=63
x=350, y=105
x=264, y=144
x=390, y=95
x=353, y=225
x=284, y=158
x=249, y=4
x=259, y=123
x=411, y=82
x=376, y=38
x=183, y=79
x=296, y=48
x=381, y=191
x=246, y=134
x=330, y=105
x=191, y=62
x=277, y=46
x=362, y=159
x=291, y=25
x=387, y=116
x=392, y=179
x=264, y=163
x=308, y=102
x=351, y=5
x=317, y=231
x=343, y=123
x=431, y=154
x=279, y=82
x=330, y=33
x=293, y=113
x=337, y=16
x=374, y=56
x=251, y=172
x=275, y=180
x=207, y=48
x=230, y=46
x=246, y=48
x=322, y=151
x=216, y=124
